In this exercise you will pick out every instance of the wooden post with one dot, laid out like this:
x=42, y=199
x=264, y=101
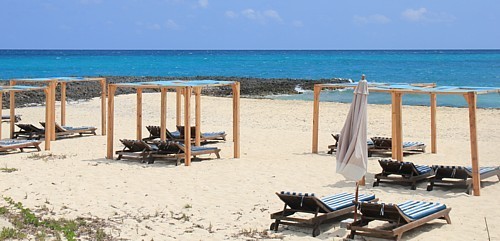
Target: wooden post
x=1, y=110
x=400, y=126
x=433, y=124
x=12, y=110
x=63, y=103
x=187, y=126
x=197, y=92
x=236, y=119
x=48, y=113
x=317, y=91
x=103, y=106
x=110, y=126
x=471, y=100
x=163, y=116
x=52, y=124
x=394, y=135
x=178, y=107
x=139, y=114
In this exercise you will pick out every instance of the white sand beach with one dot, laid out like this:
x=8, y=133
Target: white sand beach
x=231, y=199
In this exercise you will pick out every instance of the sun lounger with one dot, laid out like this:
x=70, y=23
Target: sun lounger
x=68, y=130
x=402, y=217
x=195, y=151
x=459, y=176
x=205, y=136
x=384, y=144
x=154, y=133
x=333, y=148
x=136, y=149
x=7, y=145
x=29, y=131
x=402, y=172
x=323, y=209
x=6, y=118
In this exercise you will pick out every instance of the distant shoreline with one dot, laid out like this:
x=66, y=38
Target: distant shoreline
x=250, y=87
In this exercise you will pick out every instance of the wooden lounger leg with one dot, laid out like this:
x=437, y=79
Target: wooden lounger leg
x=217, y=154
x=430, y=186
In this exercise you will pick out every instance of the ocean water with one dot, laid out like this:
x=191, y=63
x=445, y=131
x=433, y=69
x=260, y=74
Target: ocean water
x=444, y=67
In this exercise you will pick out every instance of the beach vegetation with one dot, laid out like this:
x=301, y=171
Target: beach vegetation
x=8, y=170
x=10, y=233
x=46, y=156
x=26, y=221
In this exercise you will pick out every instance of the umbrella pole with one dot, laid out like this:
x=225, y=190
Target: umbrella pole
x=356, y=202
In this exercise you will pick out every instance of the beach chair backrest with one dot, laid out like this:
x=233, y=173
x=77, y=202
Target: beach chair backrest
x=301, y=202
x=154, y=131
x=396, y=167
x=382, y=142
x=457, y=172
x=167, y=147
x=29, y=128
x=59, y=128
x=382, y=211
x=181, y=130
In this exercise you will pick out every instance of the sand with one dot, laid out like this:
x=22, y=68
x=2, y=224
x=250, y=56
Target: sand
x=230, y=198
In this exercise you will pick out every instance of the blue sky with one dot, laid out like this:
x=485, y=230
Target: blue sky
x=249, y=24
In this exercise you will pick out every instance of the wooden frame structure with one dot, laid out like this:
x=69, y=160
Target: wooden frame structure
x=48, y=107
x=186, y=87
x=64, y=81
x=397, y=91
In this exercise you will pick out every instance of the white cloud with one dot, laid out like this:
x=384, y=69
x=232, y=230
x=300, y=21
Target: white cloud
x=171, y=24
x=231, y=14
x=261, y=17
x=273, y=15
x=297, y=23
x=423, y=15
x=375, y=18
x=154, y=26
x=203, y=3
x=414, y=15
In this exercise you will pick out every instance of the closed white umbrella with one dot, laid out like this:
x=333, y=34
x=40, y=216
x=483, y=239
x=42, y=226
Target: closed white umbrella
x=352, y=150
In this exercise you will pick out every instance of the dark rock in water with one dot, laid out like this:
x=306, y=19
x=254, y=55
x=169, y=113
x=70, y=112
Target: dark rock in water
x=250, y=87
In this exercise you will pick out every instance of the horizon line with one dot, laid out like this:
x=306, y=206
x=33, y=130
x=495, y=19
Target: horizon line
x=90, y=49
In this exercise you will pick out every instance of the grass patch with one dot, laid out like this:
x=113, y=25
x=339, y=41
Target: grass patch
x=8, y=170
x=26, y=221
x=46, y=156
x=10, y=233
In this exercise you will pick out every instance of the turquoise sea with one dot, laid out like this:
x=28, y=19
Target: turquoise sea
x=444, y=67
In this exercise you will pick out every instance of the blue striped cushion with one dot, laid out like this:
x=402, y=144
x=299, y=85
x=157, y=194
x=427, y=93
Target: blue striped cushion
x=344, y=200
x=176, y=134
x=482, y=170
x=419, y=209
x=423, y=169
x=211, y=134
x=202, y=148
x=412, y=143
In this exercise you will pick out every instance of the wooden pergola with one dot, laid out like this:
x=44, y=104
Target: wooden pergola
x=52, y=82
x=397, y=91
x=182, y=87
x=48, y=107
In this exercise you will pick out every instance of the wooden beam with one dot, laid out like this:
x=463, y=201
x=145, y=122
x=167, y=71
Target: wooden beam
x=400, y=126
x=187, y=125
x=163, y=116
x=63, y=103
x=111, y=121
x=139, y=115
x=317, y=91
x=103, y=106
x=197, y=92
x=178, y=106
x=1, y=110
x=52, y=124
x=433, y=124
x=12, y=110
x=48, y=113
x=476, y=178
x=394, y=135
x=236, y=119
